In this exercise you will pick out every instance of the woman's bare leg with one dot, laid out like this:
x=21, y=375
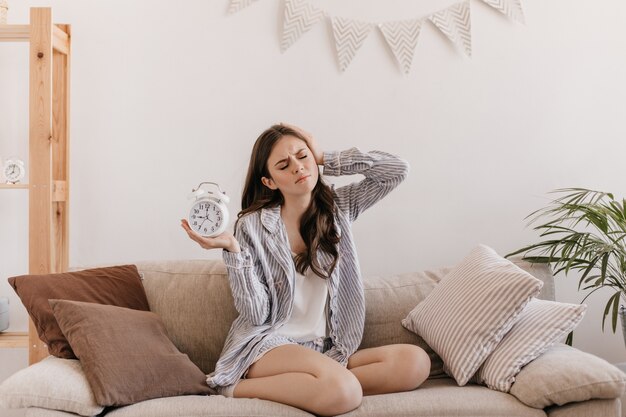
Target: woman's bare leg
x=303, y=378
x=392, y=368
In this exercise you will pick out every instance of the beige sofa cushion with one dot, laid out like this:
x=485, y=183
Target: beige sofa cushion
x=52, y=383
x=193, y=299
x=42, y=412
x=213, y=405
x=442, y=397
x=436, y=397
x=388, y=300
x=564, y=374
x=591, y=408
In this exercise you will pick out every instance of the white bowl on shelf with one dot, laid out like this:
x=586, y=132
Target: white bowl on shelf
x=4, y=313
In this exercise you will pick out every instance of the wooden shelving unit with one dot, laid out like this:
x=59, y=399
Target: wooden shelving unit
x=48, y=161
x=14, y=186
x=14, y=340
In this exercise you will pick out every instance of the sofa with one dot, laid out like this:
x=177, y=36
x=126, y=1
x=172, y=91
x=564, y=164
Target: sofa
x=193, y=299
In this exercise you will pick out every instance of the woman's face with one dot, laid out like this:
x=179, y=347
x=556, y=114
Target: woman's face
x=292, y=167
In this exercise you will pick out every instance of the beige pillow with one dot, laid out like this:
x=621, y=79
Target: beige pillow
x=564, y=374
x=53, y=383
x=126, y=354
x=540, y=325
x=471, y=309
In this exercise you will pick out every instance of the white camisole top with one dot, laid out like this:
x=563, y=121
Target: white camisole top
x=308, y=317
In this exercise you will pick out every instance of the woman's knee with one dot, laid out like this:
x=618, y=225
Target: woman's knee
x=340, y=393
x=413, y=366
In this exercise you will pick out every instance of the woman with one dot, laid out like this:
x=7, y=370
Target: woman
x=295, y=279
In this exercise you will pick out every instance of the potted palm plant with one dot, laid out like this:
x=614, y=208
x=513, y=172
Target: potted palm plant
x=585, y=232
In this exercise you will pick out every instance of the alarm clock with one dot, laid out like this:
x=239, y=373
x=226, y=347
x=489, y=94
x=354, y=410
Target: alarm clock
x=13, y=170
x=208, y=215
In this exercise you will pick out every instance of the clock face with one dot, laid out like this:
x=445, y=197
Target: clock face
x=13, y=172
x=207, y=218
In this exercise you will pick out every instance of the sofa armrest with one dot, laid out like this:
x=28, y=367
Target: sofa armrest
x=539, y=271
x=564, y=374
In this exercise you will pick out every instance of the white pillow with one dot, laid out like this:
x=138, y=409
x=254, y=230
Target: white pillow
x=53, y=383
x=541, y=324
x=471, y=309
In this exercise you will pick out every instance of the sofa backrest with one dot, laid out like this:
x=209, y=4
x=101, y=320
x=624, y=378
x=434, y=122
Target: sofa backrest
x=193, y=299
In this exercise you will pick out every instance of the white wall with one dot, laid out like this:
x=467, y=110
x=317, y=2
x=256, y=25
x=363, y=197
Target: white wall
x=165, y=96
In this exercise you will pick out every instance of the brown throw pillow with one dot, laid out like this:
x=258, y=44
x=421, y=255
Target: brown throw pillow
x=126, y=354
x=116, y=285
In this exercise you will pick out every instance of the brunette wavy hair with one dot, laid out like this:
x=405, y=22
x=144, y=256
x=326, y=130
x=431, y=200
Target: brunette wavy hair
x=317, y=226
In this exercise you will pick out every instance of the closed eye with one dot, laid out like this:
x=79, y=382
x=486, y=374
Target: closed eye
x=302, y=157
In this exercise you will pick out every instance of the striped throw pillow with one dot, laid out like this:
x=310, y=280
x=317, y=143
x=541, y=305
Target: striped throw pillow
x=541, y=324
x=467, y=314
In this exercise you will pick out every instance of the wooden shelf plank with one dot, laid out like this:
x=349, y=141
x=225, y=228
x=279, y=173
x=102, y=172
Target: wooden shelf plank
x=15, y=33
x=14, y=186
x=14, y=340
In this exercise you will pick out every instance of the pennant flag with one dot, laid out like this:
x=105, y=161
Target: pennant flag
x=455, y=23
x=235, y=5
x=402, y=39
x=349, y=36
x=511, y=8
x=300, y=16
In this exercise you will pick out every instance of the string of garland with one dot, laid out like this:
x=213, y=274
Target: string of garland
x=401, y=35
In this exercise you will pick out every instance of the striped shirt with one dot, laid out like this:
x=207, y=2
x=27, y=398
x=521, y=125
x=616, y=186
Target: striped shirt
x=261, y=276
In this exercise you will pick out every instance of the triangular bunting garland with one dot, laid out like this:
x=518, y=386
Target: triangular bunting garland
x=511, y=8
x=401, y=36
x=455, y=23
x=349, y=36
x=300, y=16
x=235, y=5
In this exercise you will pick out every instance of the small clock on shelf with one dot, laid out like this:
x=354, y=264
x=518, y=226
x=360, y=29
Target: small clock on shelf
x=13, y=170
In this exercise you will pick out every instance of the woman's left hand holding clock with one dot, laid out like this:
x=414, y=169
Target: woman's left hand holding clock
x=226, y=240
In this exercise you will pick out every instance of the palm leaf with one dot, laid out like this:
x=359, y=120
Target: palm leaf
x=614, y=304
x=583, y=231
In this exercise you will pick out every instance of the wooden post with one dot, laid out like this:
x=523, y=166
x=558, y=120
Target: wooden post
x=60, y=148
x=40, y=170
